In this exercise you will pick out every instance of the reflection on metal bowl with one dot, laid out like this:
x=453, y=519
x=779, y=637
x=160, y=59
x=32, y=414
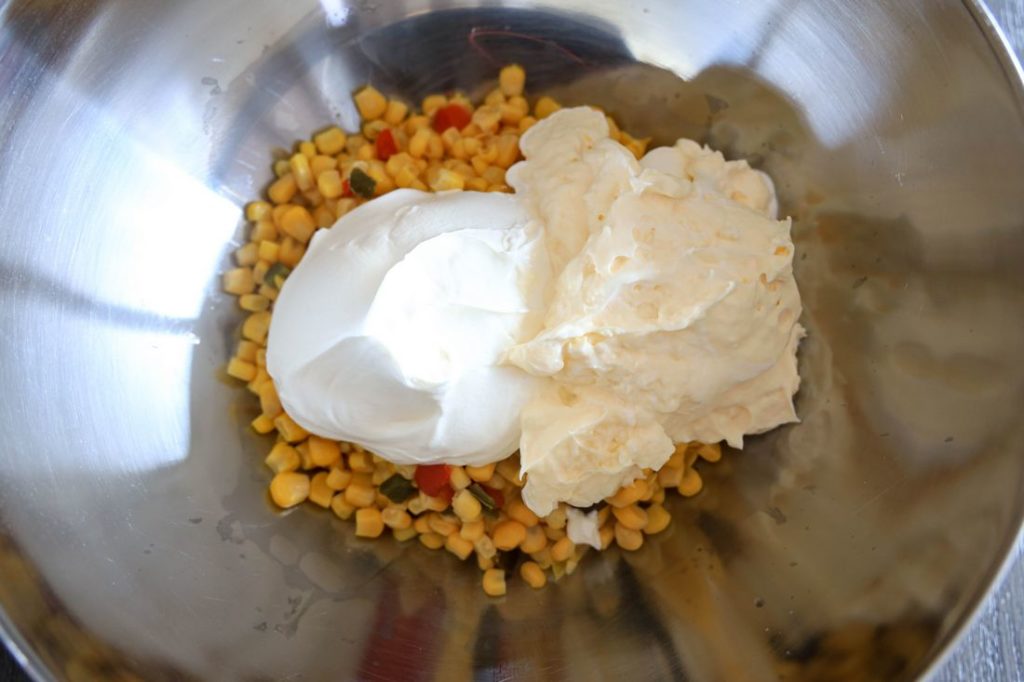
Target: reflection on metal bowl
x=135, y=540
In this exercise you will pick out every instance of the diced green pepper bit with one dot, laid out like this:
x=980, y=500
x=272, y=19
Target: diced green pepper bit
x=361, y=183
x=276, y=275
x=398, y=488
x=486, y=501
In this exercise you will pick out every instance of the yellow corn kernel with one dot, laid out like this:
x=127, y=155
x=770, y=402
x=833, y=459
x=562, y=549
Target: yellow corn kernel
x=607, y=534
x=247, y=254
x=372, y=129
x=691, y=483
x=369, y=523
x=419, y=141
x=432, y=103
x=324, y=216
x=509, y=535
x=487, y=118
x=341, y=508
x=404, y=534
x=443, y=179
x=418, y=184
x=395, y=112
x=493, y=175
x=255, y=327
x=324, y=453
x=283, y=189
x=557, y=519
x=632, y=517
x=629, y=494
x=277, y=212
x=382, y=181
x=359, y=495
x=554, y=534
x=432, y=540
x=495, y=97
x=289, y=488
x=658, y=519
x=259, y=271
x=289, y=430
x=306, y=148
x=320, y=493
x=414, y=123
x=253, y=303
x=459, y=479
x=331, y=141
x=242, y=370
x=435, y=147
x=535, y=541
x=305, y=461
x=282, y=458
x=525, y=123
x=291, y=251
x=270, y=403
x=512, y=80
x=670, y=477
x=264, y=229
x=494, y=582
x=268, y=250
x=301, y=171
x=330, y=184
x=398, y=162
x=464, y=504
x=256, y=210
x=371, y=103
x=262, y=424
x=261, y=357
x=635, y=145
x=321, y=164
x=420, y=523
x=476, y=185
x=298, y=223
x=267, y=291
x=613, y=129
x=472, y=530
x=484, y=546
x=481, y=474
x=562, y=550
x=405, y=178
x=520, y=512
x=360, y=461
x=533, y=574
x=338, y=478
x=545, y=106
x=396, y=517
x=711, y=452
x=239, y=281
x=442, y=524
x=246, y=350
x=508, y=150
x=628, y=539
x=458, y=546
x=282, y=168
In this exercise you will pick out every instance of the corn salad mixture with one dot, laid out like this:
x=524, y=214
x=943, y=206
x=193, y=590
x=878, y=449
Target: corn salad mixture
x=470, y=511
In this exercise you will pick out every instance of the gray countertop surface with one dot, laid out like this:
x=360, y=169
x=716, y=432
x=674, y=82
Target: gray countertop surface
x=992, y=650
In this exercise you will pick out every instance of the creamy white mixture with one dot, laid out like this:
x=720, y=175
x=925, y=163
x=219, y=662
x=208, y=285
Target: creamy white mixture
x=607, y=309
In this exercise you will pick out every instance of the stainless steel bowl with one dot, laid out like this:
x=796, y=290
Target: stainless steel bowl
x=135, y=539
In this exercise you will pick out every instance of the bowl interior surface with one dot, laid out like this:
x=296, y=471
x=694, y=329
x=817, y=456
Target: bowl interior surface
x=135, y=534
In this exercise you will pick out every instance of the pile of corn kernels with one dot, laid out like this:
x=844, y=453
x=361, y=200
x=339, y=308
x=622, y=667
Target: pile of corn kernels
x=478, y=512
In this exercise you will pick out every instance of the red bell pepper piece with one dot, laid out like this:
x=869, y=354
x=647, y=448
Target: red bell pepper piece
x=451, y=115
x=386, y=145
x=432, y=479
